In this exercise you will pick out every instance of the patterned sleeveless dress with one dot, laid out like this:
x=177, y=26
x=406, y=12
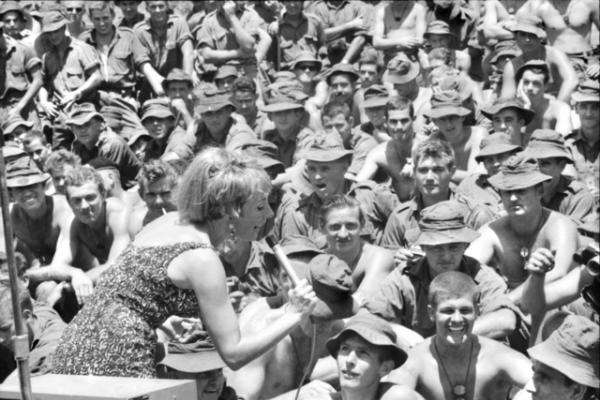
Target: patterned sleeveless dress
x=114, y=333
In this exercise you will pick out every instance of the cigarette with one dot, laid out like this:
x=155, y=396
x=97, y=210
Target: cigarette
x=163, y=210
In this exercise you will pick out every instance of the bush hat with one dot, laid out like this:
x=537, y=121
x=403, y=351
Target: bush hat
x=157, y=108
x=10, y=5
x=331, y=279
x=326, y=148
x=496, y=143
x=587, y=91
x=12, y=123
x=81, y=113
x=341, y=68
x=504, y=103
x=24, y=172
x=53, y=21
x=547, y=143
x=177, y=75
x=529, y=24
x=211, y=101
x=439, y=27
x=541, y=64
x=306, y=57
x=226, y=71
x=520, y=171
x=401, y=69
x=284, y=95
x=444, y=103
x=572, y=350
x=443, y=223
x=374, y=330
x=375, y=96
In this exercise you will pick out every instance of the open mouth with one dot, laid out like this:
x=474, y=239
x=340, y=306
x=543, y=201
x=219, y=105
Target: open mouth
x=349, y=375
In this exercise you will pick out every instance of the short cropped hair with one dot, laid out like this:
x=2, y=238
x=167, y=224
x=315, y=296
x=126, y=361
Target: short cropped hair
x=81, y=175
x=434, y=148
x=153, y=171
x=339, y=201
x=58, y=158
x=217, y=184
x=452, y=284
x=536, y=70
x=335, y=107
x=244, y=84
x=401, y=103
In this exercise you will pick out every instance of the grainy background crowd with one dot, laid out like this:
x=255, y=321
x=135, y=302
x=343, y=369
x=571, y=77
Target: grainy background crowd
x=430, y=169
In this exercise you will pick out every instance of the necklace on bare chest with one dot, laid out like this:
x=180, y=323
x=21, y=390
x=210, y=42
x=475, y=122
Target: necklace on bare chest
x=459, y=389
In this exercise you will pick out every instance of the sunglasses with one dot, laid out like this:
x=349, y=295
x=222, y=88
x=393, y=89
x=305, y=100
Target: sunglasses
x=311, y=67
x=76, y=9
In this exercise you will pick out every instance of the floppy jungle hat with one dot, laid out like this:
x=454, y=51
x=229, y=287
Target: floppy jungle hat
x=496, y=143
x=520, y=171
x=443, y=223
x=373, y=330
x=325, y=148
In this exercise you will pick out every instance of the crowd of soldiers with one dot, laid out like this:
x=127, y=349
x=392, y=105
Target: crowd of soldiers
x=435, y=173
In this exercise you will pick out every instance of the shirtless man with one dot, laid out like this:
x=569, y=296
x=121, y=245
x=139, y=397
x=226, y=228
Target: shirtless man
x=448, y=114
x=399, y=26
x=60, y=162
x=98, y=234
x=365, y=351
x=40, y=222
x=507, y=243
x=529, y=39
x=550, y=113
x=455, y=363
x=156, y=183
x=394, y=156
x=569, y=32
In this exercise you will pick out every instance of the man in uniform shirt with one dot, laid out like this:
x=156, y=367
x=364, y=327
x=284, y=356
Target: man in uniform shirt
x=403, y=296
x=168, y=42
x=298, y=33
x=326, y=164
x=562, y=194
x=93, y=138
x=234, y=31
x=122, y=56
x=584, y=143
x=131, y=15
x=217, y=124
x=71, y=72
x=21, y=81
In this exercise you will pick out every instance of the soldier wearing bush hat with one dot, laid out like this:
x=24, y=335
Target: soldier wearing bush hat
x=563, y=194
x=442, y=236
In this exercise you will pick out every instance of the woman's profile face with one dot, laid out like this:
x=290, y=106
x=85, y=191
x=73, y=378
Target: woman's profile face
x=255, y=213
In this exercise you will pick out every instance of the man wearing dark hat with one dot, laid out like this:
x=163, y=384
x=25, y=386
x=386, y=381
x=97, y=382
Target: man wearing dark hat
x=11, y=14
x=244, y=97
x=234, y=31
x=457, y=363
x=217, y=124
x=458, y=16
x=168, y=141
x=449, y=114
x=93, y=138
x=443, y=237
x=584, y=143
x=394, y=156
x=550, y=113
x=510, y=116
x=493, y=151
x=327, y=162
x=298, y=32
x=562, y=193
x=342, y=80
x=40, y=222
x=306, y=66
x=402, y=74
x=14, y=128
x=529, y=37
x=225, y=76
x=565, y=365
x=70, y=78
x=507, y=243
x=125, y=61
x=365, y=351
x=291, y=134
x=178, y=86
x=21, y=79
x=373, y=103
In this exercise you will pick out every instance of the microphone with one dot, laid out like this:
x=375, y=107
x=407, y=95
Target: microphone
x=284, y=261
